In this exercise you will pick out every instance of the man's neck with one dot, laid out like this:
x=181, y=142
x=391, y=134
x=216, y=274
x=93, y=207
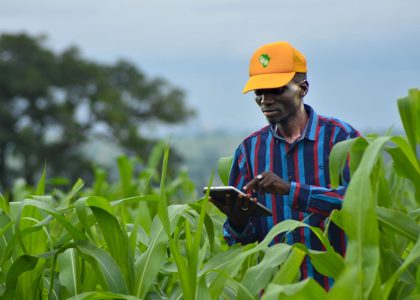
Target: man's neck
x=293, y=127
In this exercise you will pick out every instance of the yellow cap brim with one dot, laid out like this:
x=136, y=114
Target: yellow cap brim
x=267, y=81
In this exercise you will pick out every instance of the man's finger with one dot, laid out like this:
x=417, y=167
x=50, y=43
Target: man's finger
x=262, y=185
x=250, y=185
x=253, y=182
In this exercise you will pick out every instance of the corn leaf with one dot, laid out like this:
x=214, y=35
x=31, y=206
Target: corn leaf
x=306, y=289
x=408, y=108
x=21, y=265
x=102, y=295
x=69, y=276
x=399, y=223
x=223, y=168
x=412, y=257
x=338, y=158
x=106, y=269
x=40, y=188
x=360, y=223
x=149, y=263
x=257, y=277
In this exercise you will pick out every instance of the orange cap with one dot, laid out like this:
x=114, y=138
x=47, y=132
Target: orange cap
x=274, y=65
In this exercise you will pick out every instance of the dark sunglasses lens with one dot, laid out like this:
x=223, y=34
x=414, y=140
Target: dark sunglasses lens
x=276, y=91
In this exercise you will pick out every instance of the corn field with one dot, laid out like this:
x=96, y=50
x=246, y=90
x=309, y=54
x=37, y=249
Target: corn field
x=146, y=236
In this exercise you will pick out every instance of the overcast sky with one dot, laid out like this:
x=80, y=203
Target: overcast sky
x=362, y=55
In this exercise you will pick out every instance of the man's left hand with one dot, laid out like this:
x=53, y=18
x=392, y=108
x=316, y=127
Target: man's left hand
x=268, y=182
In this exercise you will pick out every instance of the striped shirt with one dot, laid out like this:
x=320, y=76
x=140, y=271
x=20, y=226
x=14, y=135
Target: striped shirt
x=305, y=165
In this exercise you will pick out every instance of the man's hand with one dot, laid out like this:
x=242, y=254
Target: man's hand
x=268, y=182
x=238, y=211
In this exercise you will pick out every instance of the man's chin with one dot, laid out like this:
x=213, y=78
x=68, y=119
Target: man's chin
x=275, y=120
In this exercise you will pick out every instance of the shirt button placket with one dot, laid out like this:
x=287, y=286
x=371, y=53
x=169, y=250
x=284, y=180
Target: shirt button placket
x=290, y=166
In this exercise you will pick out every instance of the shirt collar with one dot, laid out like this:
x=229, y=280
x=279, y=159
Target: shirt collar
x=310, y=128
x=312, y=123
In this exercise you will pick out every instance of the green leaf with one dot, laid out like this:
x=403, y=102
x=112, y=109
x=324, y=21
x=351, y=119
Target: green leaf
x=208, y=223
x=21, y=265
x=413, y=256
x=203, y=292
x=289, y=271
x=193, y=257
x=69, y=274
x=338, y=158
x=405, y=162
x=74, y=231
x=303, y=290
x=14, y=239
x=102, y=295
x=330, y=264
x=77, y=187
x=40, y=188
x=5, y=232
x=153, y=258
x=156, y=156
x=336, y=216
x=125, y=168
x=107, y=270
x=224, y=166
x=230, y=287
x=360, y=223
x=117, y=243
x=116, y=240
x=408, y=108
x=398, y=222
x=162, y=209
x=257, y=277
x=4, y=204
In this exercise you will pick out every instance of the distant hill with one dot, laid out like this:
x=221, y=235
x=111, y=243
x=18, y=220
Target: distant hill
x=202, y=152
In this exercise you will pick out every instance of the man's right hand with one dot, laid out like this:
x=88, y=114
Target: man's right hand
x=238, y=212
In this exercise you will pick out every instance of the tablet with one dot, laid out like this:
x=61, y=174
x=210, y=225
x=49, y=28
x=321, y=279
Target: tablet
x=218, y=193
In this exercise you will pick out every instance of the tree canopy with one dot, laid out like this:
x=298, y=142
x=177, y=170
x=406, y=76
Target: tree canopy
x=51, y=103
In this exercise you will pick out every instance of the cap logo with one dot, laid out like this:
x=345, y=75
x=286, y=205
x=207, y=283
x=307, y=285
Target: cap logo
x=264, y=59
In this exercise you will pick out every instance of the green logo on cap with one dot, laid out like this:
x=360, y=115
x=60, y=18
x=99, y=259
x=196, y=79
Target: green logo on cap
x=264, y=60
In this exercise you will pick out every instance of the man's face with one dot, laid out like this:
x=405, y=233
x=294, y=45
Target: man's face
x=280, y=104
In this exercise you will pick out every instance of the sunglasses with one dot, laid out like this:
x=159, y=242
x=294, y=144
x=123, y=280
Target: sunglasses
x=275, y=91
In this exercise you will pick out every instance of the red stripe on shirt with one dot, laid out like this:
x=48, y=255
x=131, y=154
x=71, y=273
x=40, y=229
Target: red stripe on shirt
x=273, y=196
x=325, y=278
x=296, y=163
x=334, y=195
x=332, y=138
x=316, y=149
x=257, y=148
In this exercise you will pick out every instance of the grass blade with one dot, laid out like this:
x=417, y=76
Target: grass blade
x=223, y=168
x=107, y=270
x=69, y=274
x=21, y=265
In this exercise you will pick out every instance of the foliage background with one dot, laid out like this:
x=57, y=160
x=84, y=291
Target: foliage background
x=52, y=104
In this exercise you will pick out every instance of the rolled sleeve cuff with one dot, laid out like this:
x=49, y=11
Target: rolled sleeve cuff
x=240, y=235
x=299, y=196
x=233, y=237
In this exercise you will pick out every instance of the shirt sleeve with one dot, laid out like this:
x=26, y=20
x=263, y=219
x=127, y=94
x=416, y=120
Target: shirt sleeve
x=315, y=199
x=320, y=200
x=239, y=175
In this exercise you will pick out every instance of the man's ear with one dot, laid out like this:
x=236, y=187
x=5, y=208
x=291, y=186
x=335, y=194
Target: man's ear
x=304, y=88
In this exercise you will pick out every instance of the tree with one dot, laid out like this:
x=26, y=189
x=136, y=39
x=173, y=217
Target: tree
x=52, y=103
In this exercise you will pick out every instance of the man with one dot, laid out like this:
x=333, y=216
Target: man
x=285, y=164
